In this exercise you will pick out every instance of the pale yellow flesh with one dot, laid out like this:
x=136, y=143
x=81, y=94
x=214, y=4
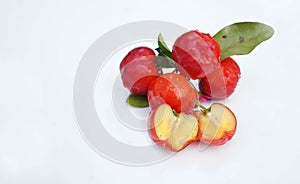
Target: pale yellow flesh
x=164, y=121
x=177, y=130
x=216, y=122
x=186, y=129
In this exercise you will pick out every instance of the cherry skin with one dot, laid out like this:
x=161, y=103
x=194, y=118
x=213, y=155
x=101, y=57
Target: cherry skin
x=196, y=54
x=172, y=89
x=220, y=84
x=138, y=70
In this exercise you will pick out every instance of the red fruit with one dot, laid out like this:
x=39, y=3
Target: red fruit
x=217, y=126
x=138, y=70
x=137, y=53
x=196, y=54
x=221, y=83
x=170, y=131
x=174, y=90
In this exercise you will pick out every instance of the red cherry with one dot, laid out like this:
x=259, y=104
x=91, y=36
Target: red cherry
x=174, y=90
x=220, y=84
x=136, y=53
x=138, y=70
x=217, y=126
x=170, y=131
x=196, y=54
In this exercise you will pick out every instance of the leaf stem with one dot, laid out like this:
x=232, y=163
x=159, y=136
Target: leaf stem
x=203, y=108
x=175, y=113
x=175, y=70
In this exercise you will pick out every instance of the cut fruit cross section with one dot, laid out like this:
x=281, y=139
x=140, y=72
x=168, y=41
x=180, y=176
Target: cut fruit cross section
x=173, y=132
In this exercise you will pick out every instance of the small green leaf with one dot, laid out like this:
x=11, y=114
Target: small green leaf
x=242, y=37
x=163, y=46
x=137, y=100
x=164, y=62
x=164, y=58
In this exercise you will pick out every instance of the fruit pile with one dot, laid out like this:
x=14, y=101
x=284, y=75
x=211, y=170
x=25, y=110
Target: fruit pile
x=177, y=116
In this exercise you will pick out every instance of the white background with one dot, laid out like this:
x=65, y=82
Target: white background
x=41, y=44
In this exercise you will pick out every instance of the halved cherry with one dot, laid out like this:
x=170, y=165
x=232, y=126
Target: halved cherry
x=217, y=124
x=170, y=131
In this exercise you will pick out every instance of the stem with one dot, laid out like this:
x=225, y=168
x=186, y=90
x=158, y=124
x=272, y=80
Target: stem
x=175, y=70
x=160, y=71
x=203, y=108
x=175, y=113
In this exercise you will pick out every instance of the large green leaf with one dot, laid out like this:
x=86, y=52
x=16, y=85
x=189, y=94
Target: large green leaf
x=242, y=37
x=137, y=100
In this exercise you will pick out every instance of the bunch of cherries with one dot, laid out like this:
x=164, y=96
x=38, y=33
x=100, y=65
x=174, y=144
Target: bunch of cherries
x=174, y=121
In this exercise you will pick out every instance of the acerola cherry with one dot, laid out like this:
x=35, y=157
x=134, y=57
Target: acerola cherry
x=220, y=84
x=217, y=124
x=172, y=89
x=138, y=70
x=170, y=131
x=196, y=54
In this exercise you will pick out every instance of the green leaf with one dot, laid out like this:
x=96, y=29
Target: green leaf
x=137, y=100
x=164, y=58
x=163, y=46
x=164, y=62
x=242, y=37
